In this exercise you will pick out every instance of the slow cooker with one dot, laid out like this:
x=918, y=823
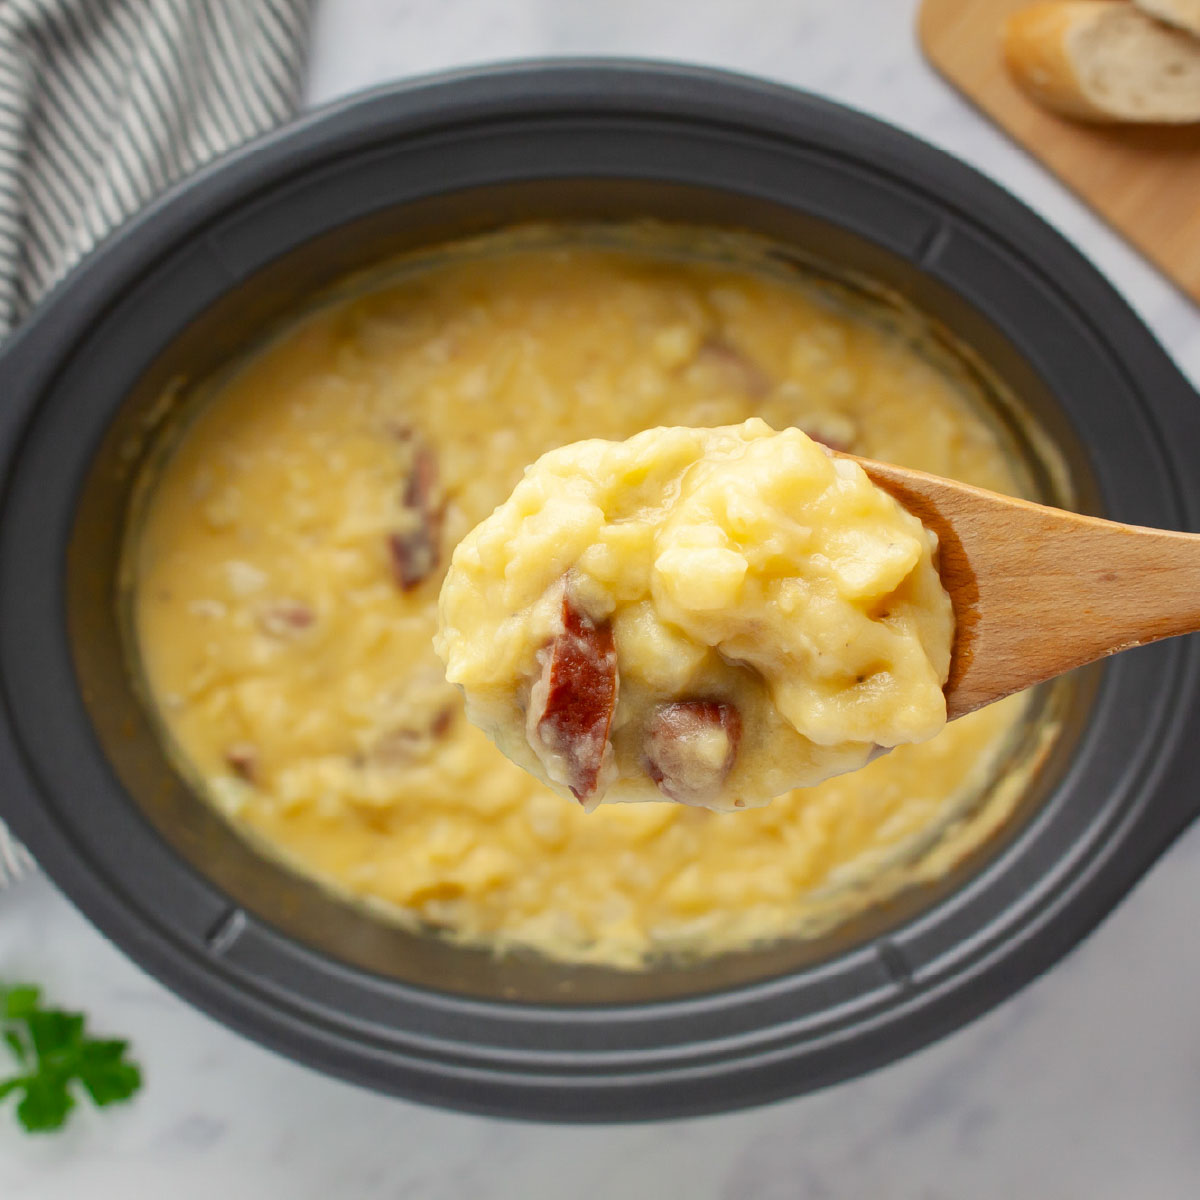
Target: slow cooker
x=227, y=254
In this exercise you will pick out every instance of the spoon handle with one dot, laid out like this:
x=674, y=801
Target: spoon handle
x=1038, y=591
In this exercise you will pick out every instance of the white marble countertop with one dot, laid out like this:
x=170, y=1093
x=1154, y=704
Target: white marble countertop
x=1085, y=1085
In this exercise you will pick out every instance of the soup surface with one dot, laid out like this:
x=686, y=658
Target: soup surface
x=286, y=561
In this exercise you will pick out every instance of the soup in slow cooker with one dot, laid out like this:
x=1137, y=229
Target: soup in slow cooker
x=284, y=565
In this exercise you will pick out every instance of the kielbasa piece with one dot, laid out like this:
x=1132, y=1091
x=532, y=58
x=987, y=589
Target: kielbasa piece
x=690, y=748
x=414, y=556
x=828, y=441
x=286, y=618
x=572, y=703
x=422, y=479
x=733, y=367
x=410, y=743
x=414, y=552
x=242, y=760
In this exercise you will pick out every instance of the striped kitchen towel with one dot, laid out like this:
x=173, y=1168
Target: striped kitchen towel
x=103, y=104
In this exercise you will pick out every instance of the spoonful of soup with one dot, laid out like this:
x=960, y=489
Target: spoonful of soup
x=717, y=616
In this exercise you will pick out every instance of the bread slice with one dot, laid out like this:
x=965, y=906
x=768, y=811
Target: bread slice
x=1104, y=60
x=1184, y=14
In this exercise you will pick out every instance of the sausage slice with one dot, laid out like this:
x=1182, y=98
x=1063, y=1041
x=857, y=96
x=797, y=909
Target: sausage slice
x=572, y=702
x=414, y=552
x=690, y=748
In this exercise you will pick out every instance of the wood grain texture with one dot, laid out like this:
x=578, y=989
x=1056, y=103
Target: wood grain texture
x=1039, y=591
x=1144, y=180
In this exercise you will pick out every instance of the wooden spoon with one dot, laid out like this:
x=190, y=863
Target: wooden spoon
x=1038, y=591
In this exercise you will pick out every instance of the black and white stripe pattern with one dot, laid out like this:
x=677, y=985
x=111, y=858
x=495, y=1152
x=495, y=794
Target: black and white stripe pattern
x=103, y=104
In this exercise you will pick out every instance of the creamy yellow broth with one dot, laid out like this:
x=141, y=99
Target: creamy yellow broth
x=287, y=644
x=707, y=616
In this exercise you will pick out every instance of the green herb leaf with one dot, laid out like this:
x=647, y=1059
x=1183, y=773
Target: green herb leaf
x=53, y=1031
x=21, y=1001
x=16, y=1046
x=46, y=1103
x=104, y=1073
x=54, y=1053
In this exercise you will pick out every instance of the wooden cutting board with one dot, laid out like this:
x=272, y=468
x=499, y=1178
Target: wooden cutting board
x=1144, y=180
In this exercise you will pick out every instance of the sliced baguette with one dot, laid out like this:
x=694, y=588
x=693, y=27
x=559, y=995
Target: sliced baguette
x=1104, y=60
x=1184, y=14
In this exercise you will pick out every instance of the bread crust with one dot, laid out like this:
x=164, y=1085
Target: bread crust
x=1037, y=52
x=1037, y=58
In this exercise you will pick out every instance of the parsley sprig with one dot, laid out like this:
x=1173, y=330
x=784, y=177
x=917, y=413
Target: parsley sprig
x=53, y=1053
